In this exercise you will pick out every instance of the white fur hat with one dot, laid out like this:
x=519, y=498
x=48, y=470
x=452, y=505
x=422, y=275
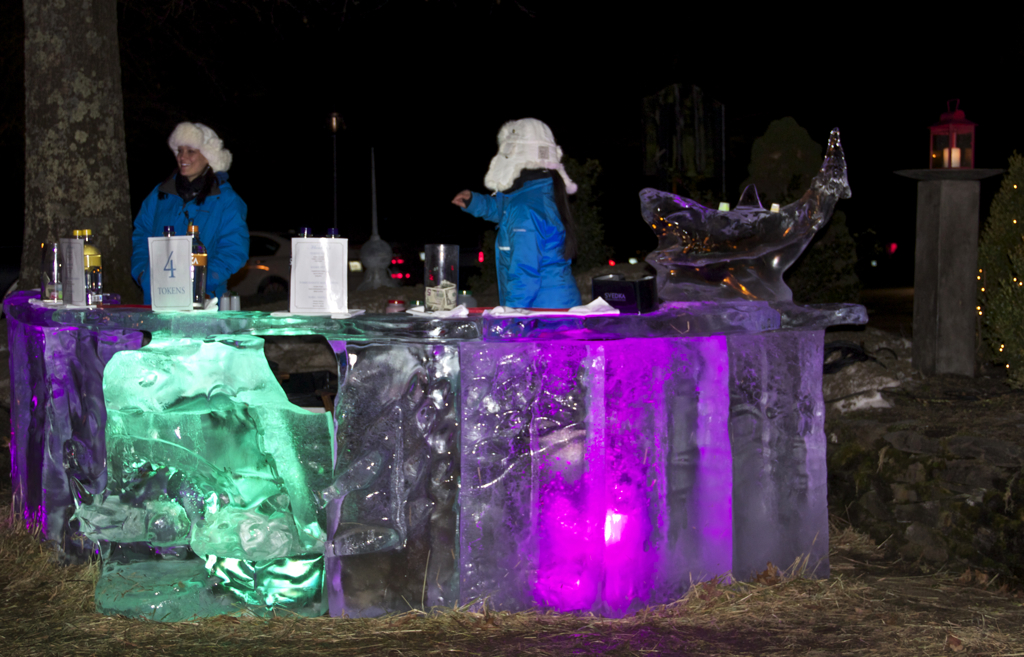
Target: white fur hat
x=525, y=144
x=203, y=138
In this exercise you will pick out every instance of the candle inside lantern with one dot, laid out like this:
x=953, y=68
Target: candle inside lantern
x=951, y=162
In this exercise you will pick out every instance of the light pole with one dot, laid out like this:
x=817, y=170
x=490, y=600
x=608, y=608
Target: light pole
x=335, y=120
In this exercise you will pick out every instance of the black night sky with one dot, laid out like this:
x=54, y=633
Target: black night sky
x=428, y=84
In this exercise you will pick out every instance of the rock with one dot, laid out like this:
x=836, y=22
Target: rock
x=860, y=385
x=992, y=450
x=864, y=433
x=968, y=476
x=984, y=540
x=871, y=503
x=926, y=513
x=923, y=542
x=902, y=493
x=914, y=474
x=913, y=442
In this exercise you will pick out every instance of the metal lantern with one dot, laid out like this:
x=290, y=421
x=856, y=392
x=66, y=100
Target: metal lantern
x=952, y=140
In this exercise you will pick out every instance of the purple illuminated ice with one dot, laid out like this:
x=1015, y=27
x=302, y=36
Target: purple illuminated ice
x=596, y=475
x=777, y=429
x=58, y=418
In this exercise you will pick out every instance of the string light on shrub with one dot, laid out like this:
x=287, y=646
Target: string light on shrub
x=1001, y=258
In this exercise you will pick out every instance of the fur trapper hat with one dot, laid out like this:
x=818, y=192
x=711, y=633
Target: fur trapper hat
x=203, y=139
x=525, y=144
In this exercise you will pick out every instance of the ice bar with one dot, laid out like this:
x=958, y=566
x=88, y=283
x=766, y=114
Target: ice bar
x=573, y=463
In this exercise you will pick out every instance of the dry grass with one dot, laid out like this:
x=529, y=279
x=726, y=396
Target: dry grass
x=868, y=607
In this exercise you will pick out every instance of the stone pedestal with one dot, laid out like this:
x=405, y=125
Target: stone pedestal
x=945, y=268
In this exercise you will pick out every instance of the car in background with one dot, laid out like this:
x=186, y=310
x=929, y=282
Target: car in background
x=269, y=266
x=268, y=270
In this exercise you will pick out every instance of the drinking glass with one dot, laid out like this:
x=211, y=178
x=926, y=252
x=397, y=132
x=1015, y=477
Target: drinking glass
x=441, y=276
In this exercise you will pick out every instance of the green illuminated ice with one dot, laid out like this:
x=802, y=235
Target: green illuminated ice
x=211, y=466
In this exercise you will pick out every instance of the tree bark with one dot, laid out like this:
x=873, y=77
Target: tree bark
x=76, y=170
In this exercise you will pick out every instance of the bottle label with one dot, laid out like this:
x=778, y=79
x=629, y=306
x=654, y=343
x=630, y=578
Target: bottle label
x=198, y=259
x=93, y=260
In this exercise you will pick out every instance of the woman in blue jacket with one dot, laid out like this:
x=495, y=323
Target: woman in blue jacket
x=536, y=239
x=197, y=193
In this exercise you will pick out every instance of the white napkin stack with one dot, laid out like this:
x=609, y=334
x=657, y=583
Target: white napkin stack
x=596, y=307
x=458, y=311
x=350, y=313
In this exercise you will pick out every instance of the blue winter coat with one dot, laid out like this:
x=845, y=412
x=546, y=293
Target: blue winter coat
x=222, y=229
x=531, y=270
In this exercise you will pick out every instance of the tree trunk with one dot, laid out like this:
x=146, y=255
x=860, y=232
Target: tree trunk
x=76, y=171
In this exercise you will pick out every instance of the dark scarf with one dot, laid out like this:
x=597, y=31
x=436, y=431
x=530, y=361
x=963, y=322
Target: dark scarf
x=189, y=189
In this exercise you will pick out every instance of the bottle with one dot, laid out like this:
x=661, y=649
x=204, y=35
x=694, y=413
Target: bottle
x=93, y=274
x=332, y=232
x=305, y=232
x=93, y=270
x=168, y=231
x=198, y=273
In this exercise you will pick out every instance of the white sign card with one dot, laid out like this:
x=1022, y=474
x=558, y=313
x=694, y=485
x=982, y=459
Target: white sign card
x=170, y=273
x=319, y=282
x=72, y=255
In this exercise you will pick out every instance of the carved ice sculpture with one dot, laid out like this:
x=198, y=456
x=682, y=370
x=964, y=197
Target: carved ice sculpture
x=706, y=254
x=595, y=464
x=206, y=457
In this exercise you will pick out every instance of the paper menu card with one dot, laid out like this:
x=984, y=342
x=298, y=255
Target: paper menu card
x=319, y=280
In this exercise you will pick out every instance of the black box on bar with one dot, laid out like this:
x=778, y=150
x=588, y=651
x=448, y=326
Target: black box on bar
x=630, y=297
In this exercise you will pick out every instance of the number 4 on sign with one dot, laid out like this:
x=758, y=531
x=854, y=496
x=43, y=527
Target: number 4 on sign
x=170, y=264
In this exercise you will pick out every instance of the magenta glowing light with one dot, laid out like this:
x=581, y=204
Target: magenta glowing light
x=613, y=526
x=631, y=471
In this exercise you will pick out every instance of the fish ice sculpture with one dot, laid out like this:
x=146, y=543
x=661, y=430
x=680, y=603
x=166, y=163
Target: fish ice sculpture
x=706, y=254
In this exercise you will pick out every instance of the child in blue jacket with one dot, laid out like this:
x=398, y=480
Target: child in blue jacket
x=536, y=240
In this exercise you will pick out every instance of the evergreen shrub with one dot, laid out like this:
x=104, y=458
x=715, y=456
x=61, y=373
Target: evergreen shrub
x=1001, y=274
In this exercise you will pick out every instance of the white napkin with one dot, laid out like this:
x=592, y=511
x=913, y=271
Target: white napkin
x=458, y=311
x=596, y=307
x=351, y=313
x=56, y=304
x=354, y=312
